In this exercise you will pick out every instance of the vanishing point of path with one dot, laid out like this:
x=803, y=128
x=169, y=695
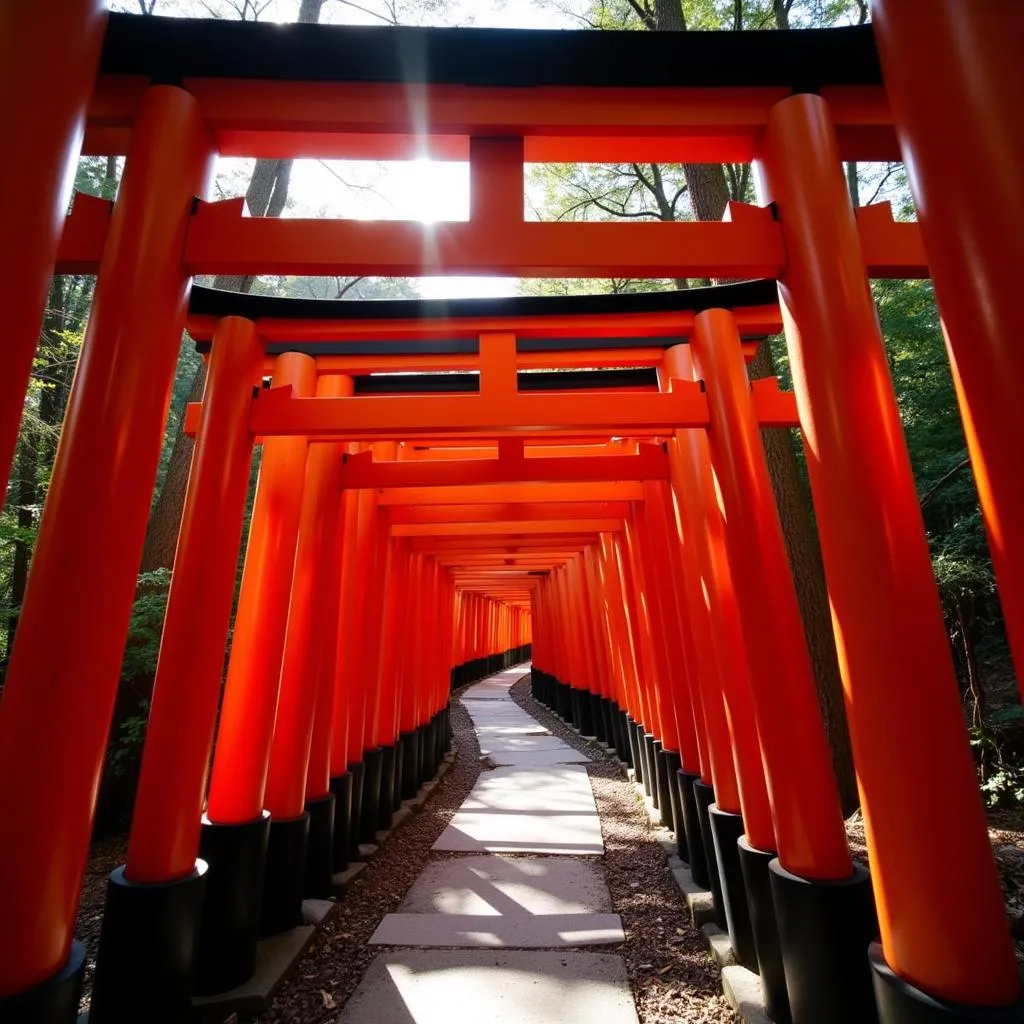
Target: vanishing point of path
x=498, y=924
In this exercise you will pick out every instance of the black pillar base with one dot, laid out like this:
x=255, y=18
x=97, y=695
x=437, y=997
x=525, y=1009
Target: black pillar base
x=756, y=880
x=370, y=810
x=319, y=873
x=673, y=764
x=697, y=858
x=564, y=702
x=586, y=713
x=825, y=928
x=610, y=715
x=726, y=828
x=435, y=741
x=650, y=781
x=421, y=754
x=660, y=784
x=54, y=1001
x=230, y=929
x=396, y=789
x=147, y=950
x=705, y=795
x=285, y=878
x=341, y=789
x=358, y=772
x=574, y=708
x=623, y=732
x=597, y=717
x=387, y=787
x=449, y=736
x=410, y=764
x=900, y=1002
x=635, y=734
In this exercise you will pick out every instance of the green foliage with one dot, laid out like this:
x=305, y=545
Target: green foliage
x=1002, y=782
x=146, y=625
x=137, y=670
x=126, y=749
x=706, y=15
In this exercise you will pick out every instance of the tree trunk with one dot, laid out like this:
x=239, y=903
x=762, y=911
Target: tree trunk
x=27, y=498
x=708, y=190
x=801, y=534
x=668, y=16
x=266, y=196
x=852, y=183
x=965, y=620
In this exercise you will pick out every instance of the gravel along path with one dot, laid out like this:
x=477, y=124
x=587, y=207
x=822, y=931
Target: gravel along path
x=670, y=971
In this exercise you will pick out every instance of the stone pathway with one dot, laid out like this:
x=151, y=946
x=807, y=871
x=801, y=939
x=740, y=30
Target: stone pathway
x=496, y=937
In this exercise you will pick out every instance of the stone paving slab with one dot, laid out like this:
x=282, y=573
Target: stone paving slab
x=481, y=987
x=542, y=931
x=527, y=810
x=561, y=788
x=525, y=832
x=525, y=729
x=537, y=758
x=508, y=885
x=491, y=713
x=491, y=743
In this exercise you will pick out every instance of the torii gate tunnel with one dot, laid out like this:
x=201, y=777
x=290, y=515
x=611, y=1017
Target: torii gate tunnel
x=614, y=521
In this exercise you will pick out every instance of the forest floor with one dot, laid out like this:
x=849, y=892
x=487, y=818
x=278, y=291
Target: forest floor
x=670, y=971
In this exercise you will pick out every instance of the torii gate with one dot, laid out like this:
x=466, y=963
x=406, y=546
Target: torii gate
x=655, y=608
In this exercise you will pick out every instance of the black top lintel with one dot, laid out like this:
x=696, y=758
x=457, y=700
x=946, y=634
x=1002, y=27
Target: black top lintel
x=171, y=49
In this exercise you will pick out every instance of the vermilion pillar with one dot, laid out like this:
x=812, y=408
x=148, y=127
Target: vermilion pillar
x=235, y=834
x=371, y=596
x=49, y=50
x=954, y=68
x=345, y=746
x=154, y=903
x=100, y=489
x=351, y=697
x=703, y=602
x=676, y=625
x=304, y=645
x=745, y=563
x=389, y=665
x=909, y=741
x=744, y=551
x=416, y=669
x=655, y=629
x=330, y=769
x=241, y=761
x=172, y=782
x=294, y=831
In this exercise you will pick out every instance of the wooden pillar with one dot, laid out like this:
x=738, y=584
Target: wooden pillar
x=909, y=740
x=90, y=542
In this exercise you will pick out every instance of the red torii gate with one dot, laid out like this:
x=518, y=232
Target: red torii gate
x=895, y=664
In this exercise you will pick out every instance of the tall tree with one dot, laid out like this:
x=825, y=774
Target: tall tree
x=266, y=196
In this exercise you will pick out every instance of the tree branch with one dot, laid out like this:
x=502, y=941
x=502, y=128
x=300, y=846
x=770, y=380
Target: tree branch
x=945, y=478
x=351, y=283
x=393, y=20
x=888, y=174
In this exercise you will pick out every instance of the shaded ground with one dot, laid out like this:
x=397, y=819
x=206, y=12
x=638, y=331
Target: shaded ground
x=670, y=971
x=1006, y=831
x=669, y=968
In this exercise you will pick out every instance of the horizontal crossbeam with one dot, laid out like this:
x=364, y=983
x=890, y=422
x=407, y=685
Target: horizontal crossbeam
x=360, y=471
